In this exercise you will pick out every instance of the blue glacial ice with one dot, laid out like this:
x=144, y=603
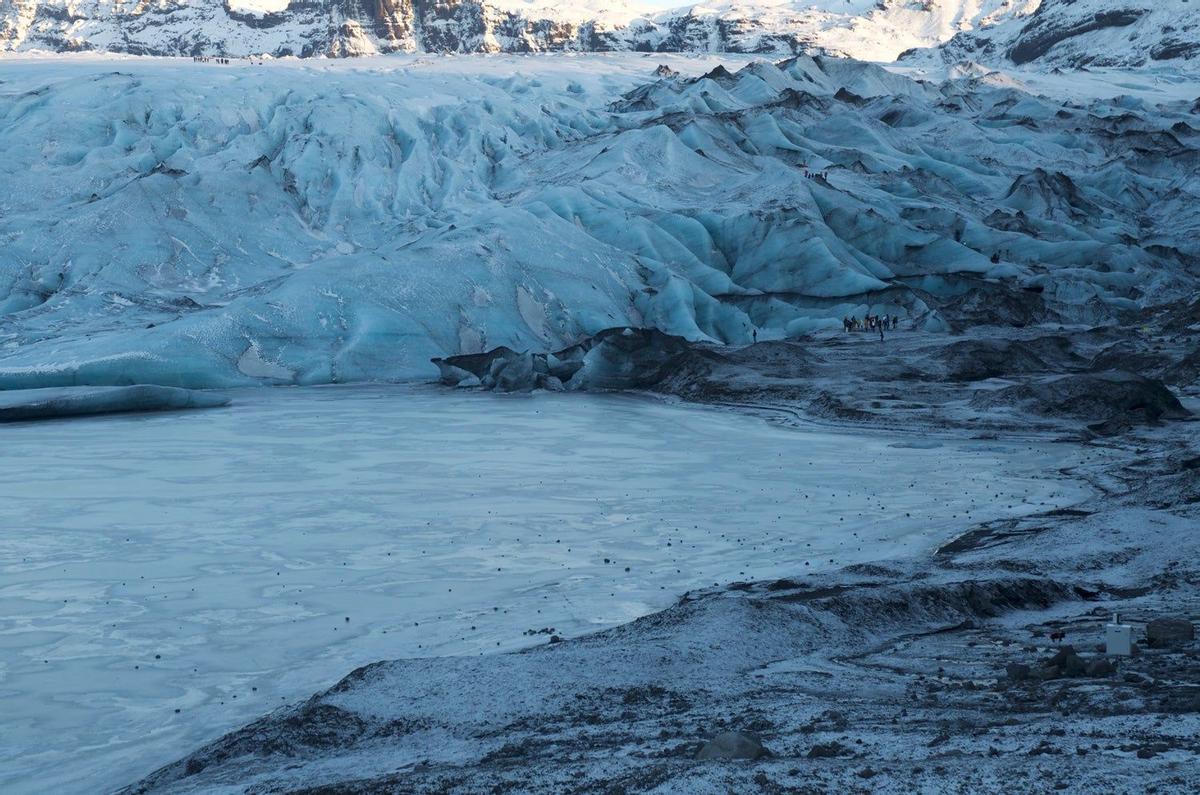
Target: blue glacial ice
x=168, y=223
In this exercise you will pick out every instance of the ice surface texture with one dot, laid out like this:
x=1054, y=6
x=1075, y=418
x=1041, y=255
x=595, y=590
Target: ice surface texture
x=176, y=224
x=207, y=561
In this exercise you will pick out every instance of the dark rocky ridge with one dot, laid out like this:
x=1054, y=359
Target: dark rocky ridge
x=998, y=368
x=1042, y=32
x=1078, y=34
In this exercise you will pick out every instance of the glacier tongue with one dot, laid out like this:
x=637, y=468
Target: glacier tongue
x=196, y=226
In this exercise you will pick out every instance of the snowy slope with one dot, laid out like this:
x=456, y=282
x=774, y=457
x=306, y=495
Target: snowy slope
x=198, y=225
x=1079, y=33
x=871, y=29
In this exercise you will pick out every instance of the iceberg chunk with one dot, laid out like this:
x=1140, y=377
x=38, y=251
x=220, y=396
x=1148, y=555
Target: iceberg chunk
x=54, y=402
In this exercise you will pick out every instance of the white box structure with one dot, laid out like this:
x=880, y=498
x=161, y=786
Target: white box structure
x=1118, y=638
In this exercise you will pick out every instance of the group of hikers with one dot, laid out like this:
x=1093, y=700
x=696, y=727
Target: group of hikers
x=878, y=323
x=206, y=59
x=814, y=174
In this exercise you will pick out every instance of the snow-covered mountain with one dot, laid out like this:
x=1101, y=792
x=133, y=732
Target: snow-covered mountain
x=996, y=32
x=1079, y=33
x=868, y=29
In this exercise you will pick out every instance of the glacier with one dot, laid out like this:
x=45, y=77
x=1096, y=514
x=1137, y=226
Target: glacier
x=204, y=226
x=174, y=232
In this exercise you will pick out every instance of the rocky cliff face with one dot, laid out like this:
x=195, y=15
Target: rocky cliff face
x=871, y=29
x=304, y=28
x=996, y=32
x=1081, y=33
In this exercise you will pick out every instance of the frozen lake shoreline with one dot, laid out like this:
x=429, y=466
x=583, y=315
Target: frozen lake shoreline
x=207, y=562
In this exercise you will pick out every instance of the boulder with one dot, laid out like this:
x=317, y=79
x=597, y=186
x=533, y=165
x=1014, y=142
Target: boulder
x=1017, y=672
x=515, y=374
x=1065, y=663
x=732, y=745
x=1163, y=632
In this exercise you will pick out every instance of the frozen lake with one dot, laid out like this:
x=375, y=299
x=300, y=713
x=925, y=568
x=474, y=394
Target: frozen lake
x=165, y=578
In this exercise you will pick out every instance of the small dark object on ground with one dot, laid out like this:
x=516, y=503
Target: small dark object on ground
x=827, y=750
x=1017, y=672
x=1066, y=663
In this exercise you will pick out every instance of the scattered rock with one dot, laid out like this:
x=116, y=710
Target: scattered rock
x=1065, y=663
